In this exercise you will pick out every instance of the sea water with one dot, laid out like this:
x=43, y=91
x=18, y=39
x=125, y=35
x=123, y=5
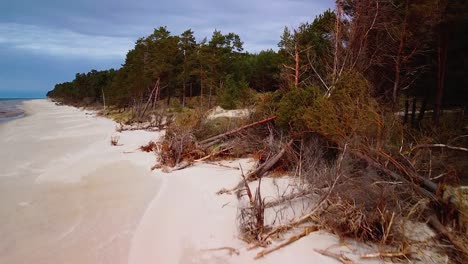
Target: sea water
x=9, y=109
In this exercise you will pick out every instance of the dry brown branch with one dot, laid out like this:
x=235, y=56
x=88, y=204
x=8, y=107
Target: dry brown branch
x=439, y=146
x=292, y=239
x=222, y=165
x=213, y=154
x=431, y=186
x=441, y=229
x=287, y=198
x=231, y=250
x=151, y=146
x=210, y=144
x=385, y=255
x=247, y=188
x=260, y=169
x=342, y=258
x=237, y=130
x=252, y=216
x=305, y=217
x=180, y=166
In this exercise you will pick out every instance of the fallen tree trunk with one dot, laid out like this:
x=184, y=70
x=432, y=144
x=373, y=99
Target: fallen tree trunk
x=237, y=130
x=427, y=193
x=266, y=166
x=260, y=170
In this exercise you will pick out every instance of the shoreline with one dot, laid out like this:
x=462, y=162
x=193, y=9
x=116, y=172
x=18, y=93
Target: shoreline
x=10, y=109
x=13, y=117
x=68, y=196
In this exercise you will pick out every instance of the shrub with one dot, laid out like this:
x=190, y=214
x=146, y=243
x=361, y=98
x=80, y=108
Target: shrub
x=293, y=105
x=235, y=94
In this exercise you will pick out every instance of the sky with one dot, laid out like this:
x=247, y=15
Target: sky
x=47, y=42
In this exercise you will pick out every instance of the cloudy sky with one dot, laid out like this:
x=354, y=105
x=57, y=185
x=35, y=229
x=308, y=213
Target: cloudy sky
x=46, y=42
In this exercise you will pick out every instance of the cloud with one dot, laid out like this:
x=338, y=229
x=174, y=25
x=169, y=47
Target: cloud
x=48, y=41
x=62, y=42
x=259, y=23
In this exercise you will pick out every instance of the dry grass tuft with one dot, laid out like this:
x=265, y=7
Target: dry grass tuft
x=150, y=147
x=115, y=140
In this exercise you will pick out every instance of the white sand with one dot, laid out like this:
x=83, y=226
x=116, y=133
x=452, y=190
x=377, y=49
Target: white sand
x=68, y=196
x=218, y=112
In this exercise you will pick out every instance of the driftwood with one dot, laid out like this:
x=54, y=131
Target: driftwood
x=148, y=126
x=231, y=250
x=269, y=163
x=342, y=258
x=185, y=164
x=260, y=170
x=237, y=130
x=222, y=165
x=292, y=239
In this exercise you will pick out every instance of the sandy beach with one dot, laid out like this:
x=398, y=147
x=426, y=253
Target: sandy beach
x=68, y=196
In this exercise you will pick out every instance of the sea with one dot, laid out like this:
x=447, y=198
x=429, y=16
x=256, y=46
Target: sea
x=9, y=109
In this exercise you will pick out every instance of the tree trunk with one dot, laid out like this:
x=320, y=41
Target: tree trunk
x=103, y=98
x=191, y=90
x=296, y=60
x=405, y=117
x=201, y=86
x=209, y=96
x=441, y=65
x=337, y=39
x=155, y=89
x=398, y=63
x=184, y=88
x=422, y=110
x=413, y=113
x=169, y=96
